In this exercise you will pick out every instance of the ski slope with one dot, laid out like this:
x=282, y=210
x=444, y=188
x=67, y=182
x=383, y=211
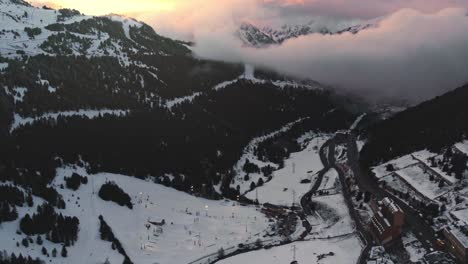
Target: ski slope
x=195, y=226
x=286, y=183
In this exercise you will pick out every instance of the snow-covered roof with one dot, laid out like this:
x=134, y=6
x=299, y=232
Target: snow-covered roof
x=390, y=204
x=462, y=147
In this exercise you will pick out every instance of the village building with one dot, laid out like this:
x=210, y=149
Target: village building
x=377, y=255
x=387, y=221
x=456, y=238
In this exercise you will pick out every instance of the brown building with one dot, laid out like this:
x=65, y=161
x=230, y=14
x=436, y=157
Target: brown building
x=456, y=237
x=387, y=221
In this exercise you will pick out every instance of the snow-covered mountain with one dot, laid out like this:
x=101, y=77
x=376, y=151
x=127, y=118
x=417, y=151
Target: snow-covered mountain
x=32, y=31
x=256, y=36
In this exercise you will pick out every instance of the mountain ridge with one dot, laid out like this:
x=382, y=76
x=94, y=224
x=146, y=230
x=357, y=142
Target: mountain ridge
x=255, y=36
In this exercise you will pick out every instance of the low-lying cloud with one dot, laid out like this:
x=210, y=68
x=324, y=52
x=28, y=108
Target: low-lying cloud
x=414, y=53
x=411, y=55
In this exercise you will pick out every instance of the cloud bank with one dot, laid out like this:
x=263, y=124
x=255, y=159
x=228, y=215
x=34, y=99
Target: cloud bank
x=415, y=53
x=410, y=55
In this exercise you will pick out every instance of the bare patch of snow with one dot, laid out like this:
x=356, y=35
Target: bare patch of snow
x=3, y=66
x=19, y=93
x=357, y=121
x=189, y=98
x=21, y=121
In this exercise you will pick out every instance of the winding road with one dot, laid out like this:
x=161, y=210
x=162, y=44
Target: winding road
x=306, y=201
x=329, y=162
x=366, y=182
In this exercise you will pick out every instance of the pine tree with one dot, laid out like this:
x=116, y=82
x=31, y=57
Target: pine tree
x=25, y=242
x=44, y=251
x=260, y=182
x=64, y=252
x=26, y=224
x=441, y=183
x=54, y=252
x=221, y=253
x=29, y=200
x=39, y=240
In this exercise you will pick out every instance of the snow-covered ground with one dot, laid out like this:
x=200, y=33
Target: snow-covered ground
x=9, y=238
x=360, y=144
x=248, y=154
x=21, y=121
x=329, y=180
x=176, y=101
x=335, y=217
x=286, y=182
x=345, y=250
x=194, y=226
x=15, y=18
x=19, y=93
x=3, y=66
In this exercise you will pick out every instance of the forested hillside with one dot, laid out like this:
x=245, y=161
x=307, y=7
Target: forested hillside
x=432, y=125
x=111, y=93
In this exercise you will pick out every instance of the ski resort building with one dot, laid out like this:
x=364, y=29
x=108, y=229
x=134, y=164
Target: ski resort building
x=387, y=221
x=456, y=237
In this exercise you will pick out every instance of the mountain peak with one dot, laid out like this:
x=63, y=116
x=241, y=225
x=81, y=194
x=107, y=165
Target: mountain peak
x=255, y=36
x=16, y=2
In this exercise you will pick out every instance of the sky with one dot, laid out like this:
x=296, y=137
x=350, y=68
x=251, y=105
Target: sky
x=416, y=51
x=338, y=8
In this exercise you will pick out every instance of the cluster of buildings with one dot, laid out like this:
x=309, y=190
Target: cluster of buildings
x=388, y=220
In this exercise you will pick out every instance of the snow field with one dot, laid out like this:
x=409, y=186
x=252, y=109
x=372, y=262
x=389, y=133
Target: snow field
x=286, y=182
x=329, y=180
x=21, y=121
x=335, y=217
x=194, y=226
